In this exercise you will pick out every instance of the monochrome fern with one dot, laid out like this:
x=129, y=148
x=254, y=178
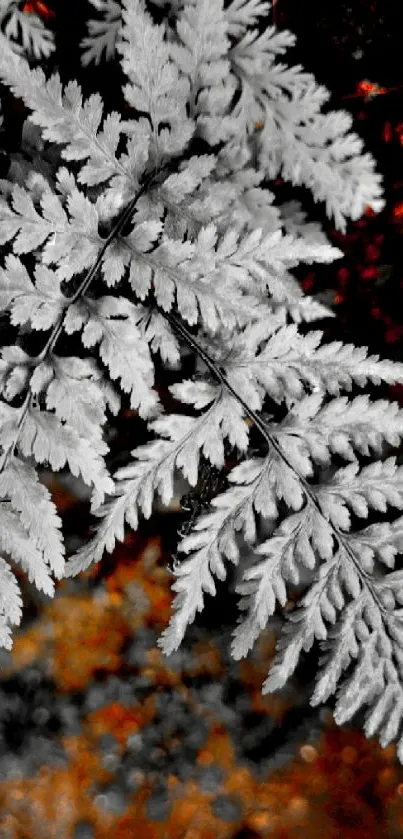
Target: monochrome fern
x=153, y=235
x=26, y=32
x=103, y=31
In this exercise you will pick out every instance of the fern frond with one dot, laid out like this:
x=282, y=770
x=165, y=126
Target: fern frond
x=381, y=541
x=16, y=541
x=241, y=14
x=168, y=205
x=155, y=86
x=70, y=240
x=111, y=322
x=214, y=539
x=64, y=118
x=195, y=276
x=287, y=103
x=308, y=622
x=159, y=336
x=15, y=370
x=102, y=34
x=375, y=680
x=74, y=391
x=201, y=55
x=375, y=486
x=25, y=32
x=48, y=440
x=19, y=483
x=10, y=604
x=285, y=363
x=314, y=430
x=181, y=440
x=39, y=304
x=292, y=546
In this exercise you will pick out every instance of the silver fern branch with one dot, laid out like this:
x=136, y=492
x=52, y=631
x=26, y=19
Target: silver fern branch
x=171, y=638
x=123, y=219
x=196, y=237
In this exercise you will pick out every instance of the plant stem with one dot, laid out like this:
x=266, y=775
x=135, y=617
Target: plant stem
x=219, y=374
x=84, y=285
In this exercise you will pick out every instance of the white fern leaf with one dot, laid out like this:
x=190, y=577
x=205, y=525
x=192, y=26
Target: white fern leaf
x=160, y=338
x=344, y=641
x=10, y=604
x=287, y=295
x=213, y=539
x=241, y=14
x=21, y=222
x=289, y=361
x=257, y=261
x=39, y=304
x=151, y=472
x=374, y=486
x=376, y=679
x=50, y=441
x=297, y=543
x=155, y=86
x=192, y=173
x=278, y=252
x=194, y=275
x=386, y=715
x=20, y=484
x=295, y=222
x=78, y=246
x=100, y=41
x=264, y=584
x=305, y=625
x=111, y=322
x=381, y=541
x=25, y=31
x=230, y=198
x=181, y=439
x=364, y=684
x=17, y=543
x=71, y=242
x=314, y=429
x=65, y=119
x=15, y=368
x=12, y=358
x=74, y=392
x=296, y=139
x=118, y=254
x=201, y=55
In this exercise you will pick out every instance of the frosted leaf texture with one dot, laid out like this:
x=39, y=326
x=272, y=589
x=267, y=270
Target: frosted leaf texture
x=102, y=32
x=26, y=33
x=154, y=234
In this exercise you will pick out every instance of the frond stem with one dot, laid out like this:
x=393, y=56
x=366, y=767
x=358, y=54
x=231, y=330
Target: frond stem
x=84, y=285
x=219, y=374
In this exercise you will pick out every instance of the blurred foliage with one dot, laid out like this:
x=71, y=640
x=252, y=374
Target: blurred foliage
x=103, y=737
